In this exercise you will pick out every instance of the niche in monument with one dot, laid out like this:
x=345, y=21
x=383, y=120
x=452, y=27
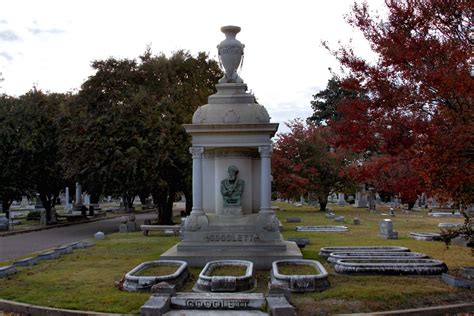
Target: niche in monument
x=231, y=149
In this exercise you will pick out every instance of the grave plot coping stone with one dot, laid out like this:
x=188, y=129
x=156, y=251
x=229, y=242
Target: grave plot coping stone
x=425, y=236
x=134, y=282
x=7, y=271
x=208, y=283
x=301, y=283
x=456, y=281
x=63, y=250
x=293, y=220
x=326, y=251
x=391, y=266
x=219, y=301
x=26, y=262
x=50, y=255
x=317, y=229
x=339, y=219
x=445, y=214
x=450, y=225
x=330, y=215
x=335, y=256
x=468, y=272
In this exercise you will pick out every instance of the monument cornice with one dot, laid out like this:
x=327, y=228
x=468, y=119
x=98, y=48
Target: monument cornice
x=271, y=128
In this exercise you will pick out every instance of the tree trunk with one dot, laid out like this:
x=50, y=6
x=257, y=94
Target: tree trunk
x=128, y=202
x=411, y=205
x=143, y=196
x=6, y=202
x=323, y=202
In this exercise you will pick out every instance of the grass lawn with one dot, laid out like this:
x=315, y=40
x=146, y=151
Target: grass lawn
x=85, y=279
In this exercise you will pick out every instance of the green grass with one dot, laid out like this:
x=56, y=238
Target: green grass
x=86, y=278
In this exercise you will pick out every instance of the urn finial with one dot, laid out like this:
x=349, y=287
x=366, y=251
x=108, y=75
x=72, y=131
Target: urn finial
x=231, y=52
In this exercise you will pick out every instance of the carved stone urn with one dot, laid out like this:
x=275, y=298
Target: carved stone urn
x=231, y=52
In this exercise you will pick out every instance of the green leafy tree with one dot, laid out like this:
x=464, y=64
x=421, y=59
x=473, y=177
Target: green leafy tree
x=126, y=126
x=14, y=164
x=325, y=102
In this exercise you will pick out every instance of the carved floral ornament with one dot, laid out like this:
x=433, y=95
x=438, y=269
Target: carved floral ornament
x=265, y=151
x=196, y=152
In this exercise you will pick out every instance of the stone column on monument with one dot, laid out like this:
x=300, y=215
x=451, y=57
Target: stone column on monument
x=197, y=180
x=197, y=219
x=266, y=179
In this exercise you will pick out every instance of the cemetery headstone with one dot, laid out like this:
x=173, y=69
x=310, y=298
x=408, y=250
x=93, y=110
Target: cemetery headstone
x=123, y=225
x=99, y=235
x=386, y=229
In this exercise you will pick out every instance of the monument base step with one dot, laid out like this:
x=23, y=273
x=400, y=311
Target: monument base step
x=261, y=258
x=232, y=246
x=197, y=312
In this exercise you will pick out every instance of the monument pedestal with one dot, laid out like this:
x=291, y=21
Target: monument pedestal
x=245, y=237
x=232, y=217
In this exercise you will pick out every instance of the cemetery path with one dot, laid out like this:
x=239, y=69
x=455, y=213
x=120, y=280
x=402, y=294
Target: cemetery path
x=15, y=246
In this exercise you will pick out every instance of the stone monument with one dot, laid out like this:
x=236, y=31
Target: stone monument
x=232, y=217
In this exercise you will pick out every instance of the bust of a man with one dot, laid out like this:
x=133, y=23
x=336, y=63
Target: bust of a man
x=232, y=188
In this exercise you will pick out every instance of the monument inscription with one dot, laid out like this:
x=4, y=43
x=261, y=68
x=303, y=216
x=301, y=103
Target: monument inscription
x=234, y=237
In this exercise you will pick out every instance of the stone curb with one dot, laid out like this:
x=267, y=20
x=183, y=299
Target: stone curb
x=28, y=309
x=30, y=230
x=436, y=310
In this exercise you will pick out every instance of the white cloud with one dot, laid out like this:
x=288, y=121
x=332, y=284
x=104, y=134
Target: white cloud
x=284, y=62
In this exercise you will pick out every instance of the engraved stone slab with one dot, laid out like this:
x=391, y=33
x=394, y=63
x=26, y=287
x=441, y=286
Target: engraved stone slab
x=293, y=220
x=301, y=283
x=326, y=251
x=222, y=301
x=318, y=229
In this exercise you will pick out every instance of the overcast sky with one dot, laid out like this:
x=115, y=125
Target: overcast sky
x=51, y=44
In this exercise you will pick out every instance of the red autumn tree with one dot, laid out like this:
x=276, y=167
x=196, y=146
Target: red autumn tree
x=303, y=163
x=419, y=111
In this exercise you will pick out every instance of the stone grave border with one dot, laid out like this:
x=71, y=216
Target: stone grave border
x=390, y=266
x=301, y=283
x=320, y=229
x=326, y=251
x=48, y=255
x=335, y=256
x=425, y=236
x=234, y=284
x=135, y=283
